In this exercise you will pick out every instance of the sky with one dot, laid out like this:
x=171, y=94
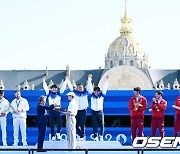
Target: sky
x=55, y=33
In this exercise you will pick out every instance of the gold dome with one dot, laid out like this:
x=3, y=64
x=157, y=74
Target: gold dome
x=126, y=50
x=125, y=46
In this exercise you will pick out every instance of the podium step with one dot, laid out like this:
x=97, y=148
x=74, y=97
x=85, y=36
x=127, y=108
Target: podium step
x=83, y=145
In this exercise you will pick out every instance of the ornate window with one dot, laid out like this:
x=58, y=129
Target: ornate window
x=111, y=64
x=131, y=63
x=120, y=62
x=141, y=64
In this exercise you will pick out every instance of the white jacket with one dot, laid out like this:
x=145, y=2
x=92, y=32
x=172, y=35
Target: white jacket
x=57, y=99
x=4, y=106
x=81, y=98
x=98, y=101
x=23, y=106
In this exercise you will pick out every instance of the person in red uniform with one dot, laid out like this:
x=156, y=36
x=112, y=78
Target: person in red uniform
x=137, y=106
x=177, y=122
x=158, y=107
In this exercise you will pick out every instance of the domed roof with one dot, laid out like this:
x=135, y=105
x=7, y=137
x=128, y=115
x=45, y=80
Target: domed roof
x=125, y=46
x=126, y=50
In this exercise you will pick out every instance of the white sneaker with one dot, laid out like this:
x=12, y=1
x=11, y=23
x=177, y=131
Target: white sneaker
x=25, y=144
x=81, y=139
x=5, y=144
x=53, y=138
x=96, y=139
x=58, y=136
x=101, y=138
x=15, y=144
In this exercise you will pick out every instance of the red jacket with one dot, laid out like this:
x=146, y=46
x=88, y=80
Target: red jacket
x=178, y=104
x=158, y=108
x=140, y=111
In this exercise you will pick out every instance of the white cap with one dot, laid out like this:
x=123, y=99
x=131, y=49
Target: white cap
x=71, y=94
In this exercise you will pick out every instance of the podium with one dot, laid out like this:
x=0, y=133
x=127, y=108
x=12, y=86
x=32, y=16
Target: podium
x=83, y=145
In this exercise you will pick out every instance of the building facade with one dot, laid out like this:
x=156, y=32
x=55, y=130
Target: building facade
x=125, y=62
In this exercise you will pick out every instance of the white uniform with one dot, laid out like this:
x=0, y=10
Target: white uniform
x=4, y=108
x=19, y=119
x=81, y=98
x=71, y=124
x=57, y=98
x=54, y=116
x=98, y=101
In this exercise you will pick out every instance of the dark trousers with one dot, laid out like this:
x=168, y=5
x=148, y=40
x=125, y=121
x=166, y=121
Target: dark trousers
x=80, y=122
x=137, y=122
x=54, y=116
x=157, y=122
x=97, y=121
x=177, y=126
x=41, y=134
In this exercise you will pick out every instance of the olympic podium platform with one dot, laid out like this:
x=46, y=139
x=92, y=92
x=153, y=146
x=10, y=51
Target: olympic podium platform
x=86, y=147
x=83, y=145
x=79, y=145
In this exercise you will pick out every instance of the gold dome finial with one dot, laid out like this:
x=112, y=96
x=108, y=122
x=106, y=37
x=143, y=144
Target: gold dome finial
x=126, y=23
x=125, y=14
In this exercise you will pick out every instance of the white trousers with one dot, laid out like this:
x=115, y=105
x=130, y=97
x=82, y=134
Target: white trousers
x=3, y=129
x=71, y=131
x=19, y=123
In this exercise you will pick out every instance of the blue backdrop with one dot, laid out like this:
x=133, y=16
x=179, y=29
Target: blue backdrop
x=115, y=104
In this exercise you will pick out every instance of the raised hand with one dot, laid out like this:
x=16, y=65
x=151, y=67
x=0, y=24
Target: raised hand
x=90, y=76
x=67, y=77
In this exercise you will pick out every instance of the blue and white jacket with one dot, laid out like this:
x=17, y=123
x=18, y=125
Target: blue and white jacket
x=81, y=98
x=54, y=98
x=97, y=101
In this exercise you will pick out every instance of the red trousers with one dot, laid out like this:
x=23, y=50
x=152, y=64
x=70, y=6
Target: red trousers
x=177, y=126
x=137, y=122
x=157, y=122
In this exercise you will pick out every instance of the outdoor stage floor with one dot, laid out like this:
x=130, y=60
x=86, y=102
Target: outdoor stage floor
x=86, y=147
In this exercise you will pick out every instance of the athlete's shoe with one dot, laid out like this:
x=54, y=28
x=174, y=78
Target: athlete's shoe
x=15, y=144
x=25, y=144
x=96, y=139
x=58, y=136
x=81, y=139
x=101, y=138
x=53, y=138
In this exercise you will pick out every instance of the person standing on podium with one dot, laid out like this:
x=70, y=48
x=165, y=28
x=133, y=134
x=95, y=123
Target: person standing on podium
x=42, y=120
x=54, y=97
x=81, y=97
x=137, y=106
x=71, y=120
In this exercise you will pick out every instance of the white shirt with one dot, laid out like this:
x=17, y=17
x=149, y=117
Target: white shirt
x=81, y=98
x=97, y=101
x=21, y=104
x=73, y=107
x=4, y=106
x=57, y=99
